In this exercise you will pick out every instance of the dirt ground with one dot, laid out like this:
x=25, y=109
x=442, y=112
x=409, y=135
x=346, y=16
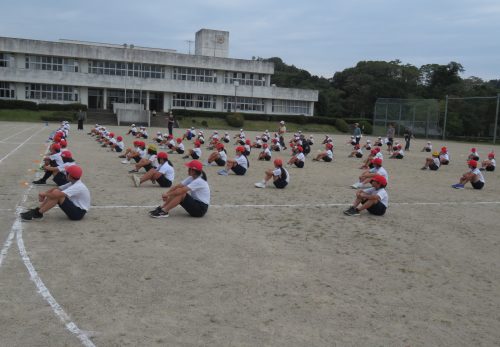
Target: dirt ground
x=297, y=274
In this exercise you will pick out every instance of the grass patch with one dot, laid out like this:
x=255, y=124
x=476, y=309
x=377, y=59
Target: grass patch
x=254, y=125
x=31, y=116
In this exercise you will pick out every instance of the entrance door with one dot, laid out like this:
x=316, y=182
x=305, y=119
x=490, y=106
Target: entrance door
x=156, y=101
x=96, y=98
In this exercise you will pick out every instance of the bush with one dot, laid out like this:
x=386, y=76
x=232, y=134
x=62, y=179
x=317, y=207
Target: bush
x=235, y=120
x=18, y=104
x=342, y=125
x=204, y=123
x=62, y=107
x=58, y=117
x=193, y=121
x=366, y=127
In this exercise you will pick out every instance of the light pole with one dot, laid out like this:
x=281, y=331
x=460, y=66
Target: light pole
x=236, y=85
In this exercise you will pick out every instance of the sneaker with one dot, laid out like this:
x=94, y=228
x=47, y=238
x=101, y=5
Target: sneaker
x=133, y=171
x=352, y=212
x=125, y=161
x=32, y=215
x=122, y=156
x=40, y=181
x=481, y=169
x=356, y=185
x=159, y=214
x=137, y=180
x=260, y=185
x=349, y=210
x=458, y=186
x=157, y=209
x=223, y=172
x=423, y=168
x=185, y=157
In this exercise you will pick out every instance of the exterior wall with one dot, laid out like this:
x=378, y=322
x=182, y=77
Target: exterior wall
x=213, y=43
x=82, y=80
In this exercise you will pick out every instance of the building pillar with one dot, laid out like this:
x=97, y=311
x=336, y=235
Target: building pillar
x=105, y=99
x=147, y=100
x=19, y=61
x=167, y=105
x=20, y=91
x=311, y=108
x=219, y=103
x=268, y=106
x=84, y=96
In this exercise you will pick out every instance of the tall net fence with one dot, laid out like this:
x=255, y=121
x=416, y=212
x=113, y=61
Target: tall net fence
x=419, y=115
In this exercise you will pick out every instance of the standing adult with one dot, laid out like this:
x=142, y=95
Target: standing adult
x=391, y=131
x=171, y=121
x=80, y=116
x=357, y=133
x=408, y=134
x=281, y=133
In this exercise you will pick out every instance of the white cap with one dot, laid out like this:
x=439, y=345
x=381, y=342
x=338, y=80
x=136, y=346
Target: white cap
x=133, y=124
x=282, y=122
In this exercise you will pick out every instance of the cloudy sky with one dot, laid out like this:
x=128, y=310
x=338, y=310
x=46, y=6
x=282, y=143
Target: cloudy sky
x=317, y=35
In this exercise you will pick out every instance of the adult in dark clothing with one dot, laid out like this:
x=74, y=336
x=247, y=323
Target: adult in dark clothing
x=357, y=133
x=171, y=121
x=408, y=134
x=80, y=116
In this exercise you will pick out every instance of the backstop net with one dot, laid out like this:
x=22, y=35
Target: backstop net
x=419, y=115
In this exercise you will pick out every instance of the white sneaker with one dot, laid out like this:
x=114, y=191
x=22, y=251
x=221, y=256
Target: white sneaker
x=260, y=185
x=137, y=180
x=125, y=161
x=356, y=185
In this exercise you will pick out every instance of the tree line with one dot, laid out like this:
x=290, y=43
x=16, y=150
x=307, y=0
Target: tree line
x=354, y=91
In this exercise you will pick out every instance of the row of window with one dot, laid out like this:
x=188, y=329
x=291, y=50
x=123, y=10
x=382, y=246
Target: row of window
x=244, y=78
x=4, y=60
x=43, y=62
x=51, y=92
x=7, y=90
x=194, y=100
x=244, y=104
x=117, y=68
x=290, y=106
x=195, y=75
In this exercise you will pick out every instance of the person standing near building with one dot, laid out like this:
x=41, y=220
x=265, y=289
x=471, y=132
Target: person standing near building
x=171, y=121
x=408, y=135
x=80, y=116
x=281, y=133
x=357, y=133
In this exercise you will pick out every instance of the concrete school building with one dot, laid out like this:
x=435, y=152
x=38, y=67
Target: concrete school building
x=98, y=75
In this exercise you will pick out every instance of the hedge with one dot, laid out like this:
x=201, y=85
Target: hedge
x=18, y=104
x=235, y=120
x=366, y=127
x=58, y=117
x=62, y=107
x=342, y=125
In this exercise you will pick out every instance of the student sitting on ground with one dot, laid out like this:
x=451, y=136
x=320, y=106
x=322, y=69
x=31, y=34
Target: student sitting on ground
x=265, y=154
x=163, y=174
x=73, y=198
x=59, y=172
x=135, y=153
x=398, y=152
x=366, y=176
x=357, y=152
x=179, y=147
x=473, y=155
x=474, y=176
x=218, y=157
x=444, y=156
x=279, y=175
x=194, y=153
x=375, y=199
x=489, y=164
x=432, y=163
x=147, y=159
x=427, y=147
x=54, y=160
x=275, y=145
x=326, y=155
x=193, y=194
x=132, y=131
x=117, y=145
x=239, y=165
x=298, y=159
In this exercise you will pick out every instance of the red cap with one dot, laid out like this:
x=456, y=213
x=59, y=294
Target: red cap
x=380, y=179
x=197, y=143
x=240, y=149
x=377, y=161
x=377, y=149
x=74, y=171
x=179, y=140
x=248, y=141
x=274, y=140
x=162, y=155
x=66, y=154
x=195, y=165
x=373, y=151
x=265, y=145
x=170, y=136
x=111, y=135
x=300, y=149
x=142, y=144
x=63, y=143
x=136, y=143
x=472, y=163
x=119, y=138
x=472, y=149
x=444, y=149
x=491, y=155
x=55, y=147
x=278, y=162
x=329, y=146
x=220, y=146
x=57, y=139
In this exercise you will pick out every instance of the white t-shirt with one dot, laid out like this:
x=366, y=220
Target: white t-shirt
x=401, y=152
x=180, y=146
x=379, y=155
x=329, y=153
x=278, y=147
x=62, y=168
x=479, y=174
x=168, y=171
x=380, y=171
x=199, y=189
x=247, y=148
x=197, y=151
x=172, y=142
x=120, y=145
x=300, y=156
x=242, y=161
x=382, y=193
x=436, y=162
x=78, y=193
x=134, y=129
x=267, y=152
x=57, y=158
x=277, y=173
x=493, y=162
x=223, y=155
x=444, y=156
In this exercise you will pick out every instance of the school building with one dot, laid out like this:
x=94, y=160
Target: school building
x=98, y=75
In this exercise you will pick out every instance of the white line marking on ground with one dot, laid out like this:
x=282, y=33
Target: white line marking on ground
x=15, y=149
x=4, y=140
x=309, y=205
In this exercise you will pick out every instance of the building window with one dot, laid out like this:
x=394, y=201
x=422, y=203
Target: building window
x=244, y=104
x=194, y=75
x=194, y=100
x=117, y=68
x=51, y=92
x=42, y=62
x=133, y=97
x=291, y=106
x=245, y=78
x=4, y=60
x=7, y=90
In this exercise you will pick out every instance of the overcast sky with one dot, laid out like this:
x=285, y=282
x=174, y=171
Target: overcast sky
x=317, y=35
